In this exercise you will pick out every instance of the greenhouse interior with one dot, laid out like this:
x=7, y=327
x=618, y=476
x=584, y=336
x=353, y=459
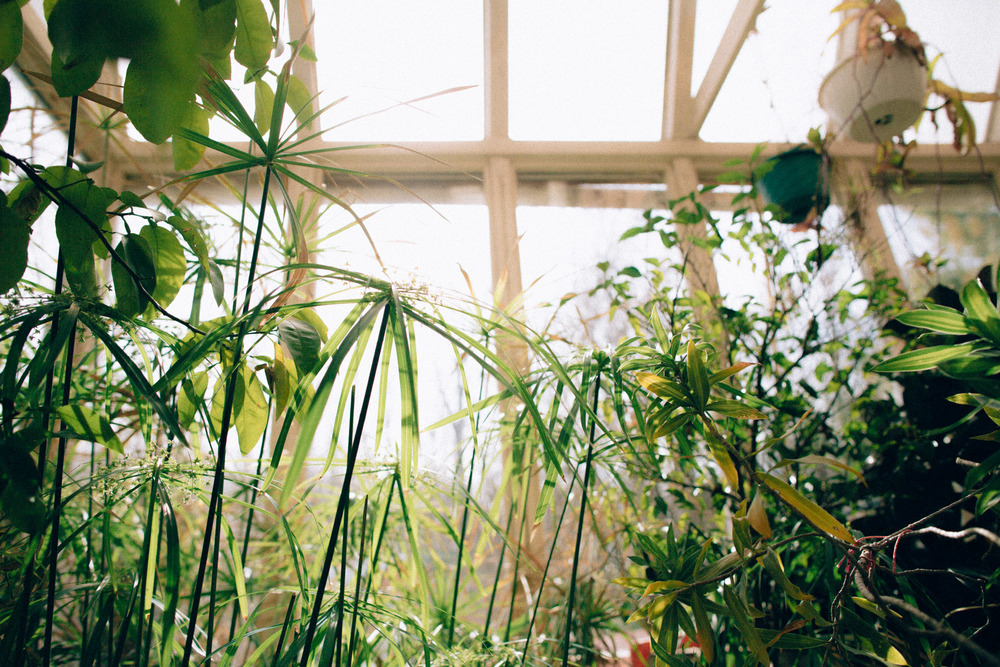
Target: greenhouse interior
x=384, y=333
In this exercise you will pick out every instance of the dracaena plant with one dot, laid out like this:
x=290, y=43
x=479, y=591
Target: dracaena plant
x=778, y=477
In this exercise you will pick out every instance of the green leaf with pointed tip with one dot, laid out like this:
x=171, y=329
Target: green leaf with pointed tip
x=169, y=262
x=772, y=563
x=139, y=256
x=735, y=409
x=192, y=236
x=299, y=99
x=725, y=461
x=190, y=397
x=188, y=153
x=15, y=234
x=90, y=425
x=11, y=33
x=923, y=359
x=126, y=294
x=218, y=282
x=813, y=513
x=697, y=376
x=732, y=370
x=254, y=40
x=250, y=413
x=75, y=233
x=706, y=638
x=663, y=387
x=302, y=341
x=744, y=623
x=943, y=321
x=981, y=314
x=263, y=104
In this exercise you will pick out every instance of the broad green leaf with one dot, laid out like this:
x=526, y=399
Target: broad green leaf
x=981, y=314
x=90, y=425
x=76, y=234
x=11, y=33
x=126, y=295
x=697, y=376
x=75, y=78
x=15, y=234
x=663, y=387
x=303, y=342
x=192, y=236
x=977, y=365
x=138, y=254
x=673, y=585
x=254, y=40
x=299, y=99
x=285, y=378
x=155, y=98
x=190, y=397
x=813, y=513
x=923, y=359
x=188, y=153
x=26, y=512
x=215, y=23
x=250, y=414
x=942, y=321
x=168, y=257
x=735, y=409
x=218, y=282
x=263, y=104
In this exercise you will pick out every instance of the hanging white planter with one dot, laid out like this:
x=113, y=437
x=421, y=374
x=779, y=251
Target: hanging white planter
x=877, y=96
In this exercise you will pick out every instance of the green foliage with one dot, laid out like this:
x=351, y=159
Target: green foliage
x=721, y=451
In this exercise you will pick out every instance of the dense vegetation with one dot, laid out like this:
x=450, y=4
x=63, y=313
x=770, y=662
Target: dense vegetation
x=211, y=440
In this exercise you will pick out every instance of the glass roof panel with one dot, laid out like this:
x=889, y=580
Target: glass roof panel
x=965, y=34
x=383, y=54
x=587, y=70
x=771, y=94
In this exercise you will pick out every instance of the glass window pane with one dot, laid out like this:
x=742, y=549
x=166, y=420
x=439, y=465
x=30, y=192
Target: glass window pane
x=384, y=54
x=587, y=70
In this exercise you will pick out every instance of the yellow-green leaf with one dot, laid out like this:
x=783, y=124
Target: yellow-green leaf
x=663, y=387
x=725, y=461
x=732, y=370
x=90, y=425
x=697, y=376
x=706, y=639
x=253, y=35
x=758, y=516
x=263, y=104
x=810, y=511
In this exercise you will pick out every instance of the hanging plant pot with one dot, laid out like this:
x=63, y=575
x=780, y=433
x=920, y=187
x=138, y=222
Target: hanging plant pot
x=876, y=96
x=797, y=182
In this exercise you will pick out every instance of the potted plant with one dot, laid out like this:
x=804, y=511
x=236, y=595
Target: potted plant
x=883, y=87
x=795, y=184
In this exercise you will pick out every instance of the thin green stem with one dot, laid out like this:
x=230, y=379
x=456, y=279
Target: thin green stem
x=579, y=526
x=345, y=491
x=220, y=465
x=357, y=586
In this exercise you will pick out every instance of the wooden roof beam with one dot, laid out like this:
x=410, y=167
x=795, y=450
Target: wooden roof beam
x=677, y=101
x=742, y=22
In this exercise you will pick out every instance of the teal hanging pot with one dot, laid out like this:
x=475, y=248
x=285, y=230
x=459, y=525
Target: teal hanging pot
x=797, y=182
